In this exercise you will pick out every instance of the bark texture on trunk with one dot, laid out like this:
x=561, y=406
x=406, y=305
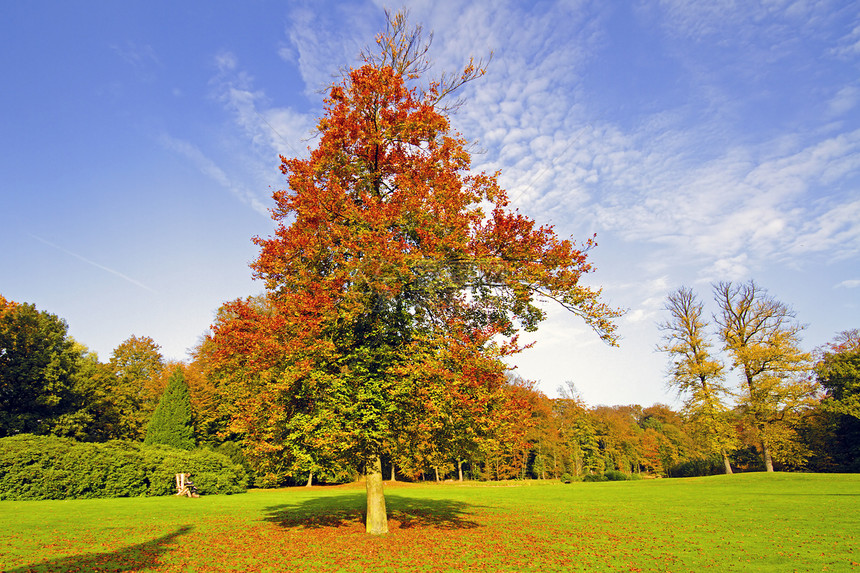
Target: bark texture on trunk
x=768, y=461
x=310, y=480
x=726, y=462
x=377, y=518
x=460, y=469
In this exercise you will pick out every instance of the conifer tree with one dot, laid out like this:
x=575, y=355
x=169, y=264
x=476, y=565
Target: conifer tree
x=171, y=422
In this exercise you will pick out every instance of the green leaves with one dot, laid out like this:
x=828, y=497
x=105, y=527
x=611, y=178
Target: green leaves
x=171, y=423
x=838, y=370
x=38, y=365
x=46, y=467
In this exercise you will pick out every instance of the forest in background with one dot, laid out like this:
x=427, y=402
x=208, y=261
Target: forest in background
x=53, y=385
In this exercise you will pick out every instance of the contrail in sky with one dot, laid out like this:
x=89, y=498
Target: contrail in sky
x=86, y=260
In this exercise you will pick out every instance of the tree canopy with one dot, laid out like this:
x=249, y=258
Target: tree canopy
x=136, y=365
x=38, y=363
x=838, y=371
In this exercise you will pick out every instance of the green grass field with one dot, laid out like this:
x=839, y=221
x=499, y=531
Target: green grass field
x=748, y=522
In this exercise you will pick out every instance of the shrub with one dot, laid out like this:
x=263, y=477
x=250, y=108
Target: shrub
x=234, y=452
x=565, y=478
x=615, y=475
x=698, y=467
x=47, y=467
x=594, y=477
x=211, y=472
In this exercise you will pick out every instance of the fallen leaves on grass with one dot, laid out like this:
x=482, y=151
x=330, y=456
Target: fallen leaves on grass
x=139, y=557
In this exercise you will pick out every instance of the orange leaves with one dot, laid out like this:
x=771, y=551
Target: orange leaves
x=390, y=299
x=6, y=305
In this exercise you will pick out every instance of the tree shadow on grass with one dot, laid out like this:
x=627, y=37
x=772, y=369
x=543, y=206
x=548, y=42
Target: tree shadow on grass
x=132, y=558
x=349, y=511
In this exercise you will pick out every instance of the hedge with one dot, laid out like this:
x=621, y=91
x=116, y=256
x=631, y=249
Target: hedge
x=698, y=467
x=47, y=467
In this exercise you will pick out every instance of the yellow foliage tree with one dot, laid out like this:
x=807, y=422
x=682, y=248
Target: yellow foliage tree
x=763, y=337
x=696, y=373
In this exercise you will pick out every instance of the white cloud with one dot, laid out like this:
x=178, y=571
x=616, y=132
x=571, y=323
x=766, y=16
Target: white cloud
x=271, y=130
x=728, y=21
x=848, y=46
x=225, y=61
x=835, y=231
x=140, y=57
x=320, y=53
x=853, y=283
x=727, y=269
x=845, y=100
x=740, y=210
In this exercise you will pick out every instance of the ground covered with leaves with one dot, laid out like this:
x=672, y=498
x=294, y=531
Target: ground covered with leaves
x=750, y=522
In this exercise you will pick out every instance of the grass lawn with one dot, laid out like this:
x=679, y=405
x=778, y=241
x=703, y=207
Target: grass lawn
x=747, y=522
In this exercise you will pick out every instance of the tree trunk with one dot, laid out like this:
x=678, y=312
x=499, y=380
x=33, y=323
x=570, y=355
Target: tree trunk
x=435, y=469
x=765, y=452
x=460, y=469
x=393, y=477
x=377, y=518
x=726, y=462
x=310, y=480
x=525, y=464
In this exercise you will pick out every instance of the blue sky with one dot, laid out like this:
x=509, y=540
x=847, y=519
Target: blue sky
x=701, y=141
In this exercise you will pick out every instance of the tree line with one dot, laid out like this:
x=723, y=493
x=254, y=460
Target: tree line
x=51, y=384
x=807, y=420
x=783, y=398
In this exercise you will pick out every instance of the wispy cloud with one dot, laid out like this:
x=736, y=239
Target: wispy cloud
x=845, y=100
x=692, y=181
x=848, y=46
x=685, y=176
x=93, y=263
x=271, y=130
x=318, y=53
x=142, y=59
x=211, y=170
x=852, y=283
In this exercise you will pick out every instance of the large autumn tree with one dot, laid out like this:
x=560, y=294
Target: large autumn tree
x=396, y=281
